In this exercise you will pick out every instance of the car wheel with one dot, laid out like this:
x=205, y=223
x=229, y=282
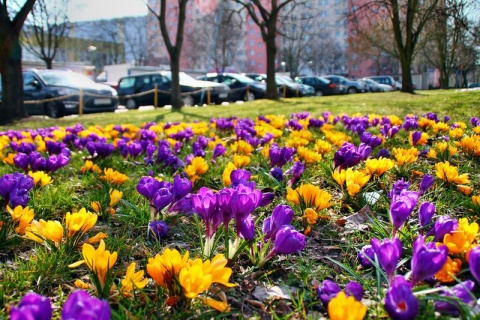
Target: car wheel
x=249, y=96
x=188, y=101
x=319, y=93
x=351, y=90
x=52, y=110
x=131, y=104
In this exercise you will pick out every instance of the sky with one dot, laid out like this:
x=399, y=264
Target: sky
x=84, y=10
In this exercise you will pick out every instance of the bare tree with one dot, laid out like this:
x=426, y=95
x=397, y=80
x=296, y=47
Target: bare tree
x=173, y=48
x=371, y=38
x=137, y=43
x=267, y=15
x=110, y=32
x=408, y=19
x=229, y=25
x=46, y=28
x=11, y=24
x=448, y=32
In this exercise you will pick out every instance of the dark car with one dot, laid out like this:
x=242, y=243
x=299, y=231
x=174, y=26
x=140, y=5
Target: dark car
x=287, y=88
x=242, y=88
x=56, y=93
x=138, y=90
x=322, y=86
x=351, y=86
x=474, y=85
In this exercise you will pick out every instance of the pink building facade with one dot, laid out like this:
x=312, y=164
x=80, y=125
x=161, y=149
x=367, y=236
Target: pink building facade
x=196, y=49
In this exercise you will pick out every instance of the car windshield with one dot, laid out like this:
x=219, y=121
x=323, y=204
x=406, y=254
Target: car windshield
x=281, y=80
x=183, y=77
x=64, y=78
x=243, y=78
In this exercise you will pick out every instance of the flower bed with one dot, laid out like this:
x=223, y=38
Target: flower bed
x=365, y=216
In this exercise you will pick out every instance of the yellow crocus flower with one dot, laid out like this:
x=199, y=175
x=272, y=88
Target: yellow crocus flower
x=456, y=242
x=194, y=280
x=470, y=229
x=355, y=180
x=227, y=172
x=40, y=177
x=164, y=267
x=133, y=280
x=312, y=196
x=197, y=167
x=99, y=261
x=340, y=176
x=80, y=221
x=451, y=267
x=476, y=200
x=41, y=230
x=379, y=166
x=346, y=308
x=115, y=196
x=241, y=161
x=220, y=273
x=449, y=173
x=113, y=176
x=22, y=216
x=242, y=147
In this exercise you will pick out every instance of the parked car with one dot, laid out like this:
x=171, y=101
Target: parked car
x=132, y=90
x=241, y=87
x=375, y=86
x=286, y=86
x=471, y=85
x=48, y=85
x=388, y=80
x=322, y=86
x=350, y=86
x=304, y=89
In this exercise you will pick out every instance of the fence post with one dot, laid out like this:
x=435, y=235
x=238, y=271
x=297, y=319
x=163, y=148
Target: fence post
x=248, y=92
x=80, y=101
x=155, y=96
x=208, y=96
x=284, y=90
x=296, y=90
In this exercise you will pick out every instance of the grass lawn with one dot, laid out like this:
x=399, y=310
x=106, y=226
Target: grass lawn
x=457, y=105
x=247, y=211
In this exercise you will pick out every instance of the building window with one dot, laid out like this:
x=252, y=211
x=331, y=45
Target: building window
x=252, y=52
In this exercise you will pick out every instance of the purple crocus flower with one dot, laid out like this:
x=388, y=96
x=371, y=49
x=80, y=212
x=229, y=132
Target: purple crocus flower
x=416, y=136
x=14, y=188
x=426, y=212
x=400, y=303
x=218, y=151
x=474, y=262
x=277, y=173
x=354, y=289
x=426, y=183
x=327, y=291
x=397, y=187
x=444, y=225
x=135, y=149
x=401, y=207
x=461, y=292
x=288, y=240
x=32, y=307
x=296, y=170
x=281, y=215
x=162, y=198
x=80, y=305
x=366, y=255
x=148, y=186
x=246, y=229
x=244, y=201
x=159, y=228
x=181, y=187
x=388, y=253
x=279, y=156
x=241, y=176
x=427, y=259
x=205, y=204
x=347, y=156
x=21, y=161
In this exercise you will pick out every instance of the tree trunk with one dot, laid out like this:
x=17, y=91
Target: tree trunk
x=406, y=65
x=272, y=90
x=12, y=107
x=177, y=101
x=49, y=63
